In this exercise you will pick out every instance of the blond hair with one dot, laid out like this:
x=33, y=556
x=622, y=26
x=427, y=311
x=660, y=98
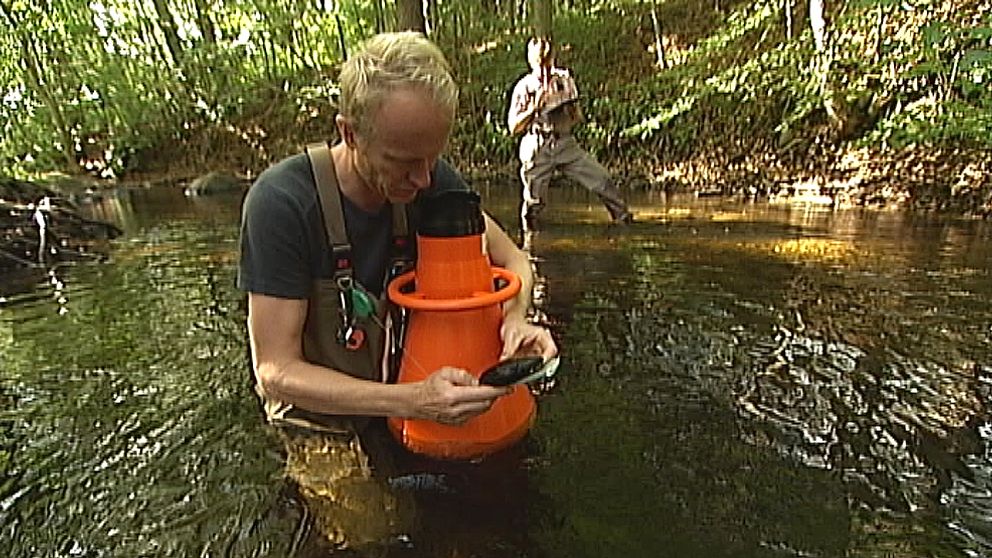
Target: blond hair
x=391, y=61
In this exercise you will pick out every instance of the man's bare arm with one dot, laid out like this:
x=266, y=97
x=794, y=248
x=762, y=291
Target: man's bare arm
x=519, y=336
x=275, y=327
x=505, y=253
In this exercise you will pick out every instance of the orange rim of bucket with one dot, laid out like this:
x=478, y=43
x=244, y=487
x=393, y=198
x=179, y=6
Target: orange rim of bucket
x=416, y=301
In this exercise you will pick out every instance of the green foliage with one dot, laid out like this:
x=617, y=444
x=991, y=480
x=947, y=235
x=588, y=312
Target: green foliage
x=124, y=82
x=947, y=89
x=115, y=87
x=927, y=122
x=486, y=66
x=769, y=83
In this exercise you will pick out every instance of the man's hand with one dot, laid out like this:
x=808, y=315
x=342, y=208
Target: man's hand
x=453, y=396
x=521, y=116
x=541, y=99
x=521, y=338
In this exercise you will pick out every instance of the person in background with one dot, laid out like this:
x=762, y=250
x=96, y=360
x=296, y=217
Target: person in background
x=309, y=246
x=544, y=108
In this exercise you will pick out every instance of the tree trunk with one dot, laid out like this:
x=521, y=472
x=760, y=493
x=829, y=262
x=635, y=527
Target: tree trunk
x=204, y=22
x=341, y=43
x=380, y=17
x=542, y=15
x=36, y=79
x=836, y=106
x=822, y=57
x=33, y=69
x=659, y=47
x=430, y=21
x=880, y=29
x=818, y=24
x=788, y=18
x=168, y=27
x=410, y=16
x=148, y=36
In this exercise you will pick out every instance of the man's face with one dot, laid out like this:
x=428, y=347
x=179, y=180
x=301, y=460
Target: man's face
x=410, y=131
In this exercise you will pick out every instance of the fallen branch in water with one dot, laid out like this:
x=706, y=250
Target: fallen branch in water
x=39, y=228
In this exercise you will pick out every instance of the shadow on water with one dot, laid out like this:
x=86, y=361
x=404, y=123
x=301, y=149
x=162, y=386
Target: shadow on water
x=739, y=380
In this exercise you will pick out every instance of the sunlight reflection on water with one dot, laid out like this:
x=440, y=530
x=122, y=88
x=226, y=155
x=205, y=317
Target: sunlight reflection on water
x=737, y=380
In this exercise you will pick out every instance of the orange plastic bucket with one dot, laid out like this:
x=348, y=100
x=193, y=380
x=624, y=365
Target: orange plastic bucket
x=455, y=320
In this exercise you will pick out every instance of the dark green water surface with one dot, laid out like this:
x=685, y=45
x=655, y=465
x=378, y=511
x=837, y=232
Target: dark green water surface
x=738, y=380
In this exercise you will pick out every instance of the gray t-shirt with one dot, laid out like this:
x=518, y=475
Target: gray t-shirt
x=283, y=243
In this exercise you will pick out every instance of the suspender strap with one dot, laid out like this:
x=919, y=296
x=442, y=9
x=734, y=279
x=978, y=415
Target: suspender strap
x=329, y=194
x=330, y=203
x=399, y=221
x=400, y=249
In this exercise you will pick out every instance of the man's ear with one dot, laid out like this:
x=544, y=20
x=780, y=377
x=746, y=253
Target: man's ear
x=346, y=130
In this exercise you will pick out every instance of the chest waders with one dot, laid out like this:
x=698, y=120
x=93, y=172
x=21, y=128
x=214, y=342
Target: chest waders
x=336, y=334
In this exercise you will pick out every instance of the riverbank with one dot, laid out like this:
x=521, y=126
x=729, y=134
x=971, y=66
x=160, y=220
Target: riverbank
x=943, y=180
x=40, y=223
x=920, y=178
x=955, y=181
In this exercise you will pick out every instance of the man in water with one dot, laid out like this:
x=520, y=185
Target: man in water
x=319, y=231
x=544, y=108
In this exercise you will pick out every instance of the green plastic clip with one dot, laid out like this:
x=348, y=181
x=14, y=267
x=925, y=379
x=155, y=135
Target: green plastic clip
x=362, y=306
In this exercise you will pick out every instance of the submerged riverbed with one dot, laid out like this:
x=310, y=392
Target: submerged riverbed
x=738, y=380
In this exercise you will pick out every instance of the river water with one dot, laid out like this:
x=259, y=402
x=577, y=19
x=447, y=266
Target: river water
x=738, y=380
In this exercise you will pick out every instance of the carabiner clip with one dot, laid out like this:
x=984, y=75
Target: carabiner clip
x=348, y=335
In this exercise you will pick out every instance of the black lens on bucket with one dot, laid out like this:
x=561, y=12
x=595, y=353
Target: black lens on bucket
x=452, y=213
